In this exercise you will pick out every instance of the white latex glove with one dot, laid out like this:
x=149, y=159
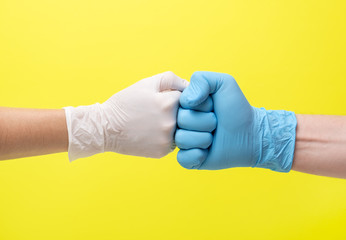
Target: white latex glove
x=139, y=120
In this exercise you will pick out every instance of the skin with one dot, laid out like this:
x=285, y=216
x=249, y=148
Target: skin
x=321, y=145
x=320, y=139
x=32, y=132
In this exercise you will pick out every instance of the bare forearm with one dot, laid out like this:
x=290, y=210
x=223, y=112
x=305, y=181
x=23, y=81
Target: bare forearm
x=321, y=145
x=31, y=132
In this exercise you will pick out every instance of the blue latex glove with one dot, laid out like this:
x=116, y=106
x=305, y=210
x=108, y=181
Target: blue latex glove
x=235, y=134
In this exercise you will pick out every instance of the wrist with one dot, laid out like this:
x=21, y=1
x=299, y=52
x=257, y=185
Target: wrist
x=85, y=131
x=275, y=132
x=320, y=145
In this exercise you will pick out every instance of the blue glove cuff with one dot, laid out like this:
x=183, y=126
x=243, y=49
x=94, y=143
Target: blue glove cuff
x=276, y=131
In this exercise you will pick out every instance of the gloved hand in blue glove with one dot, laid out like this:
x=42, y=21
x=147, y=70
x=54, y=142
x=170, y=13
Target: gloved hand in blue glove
x=234, y=134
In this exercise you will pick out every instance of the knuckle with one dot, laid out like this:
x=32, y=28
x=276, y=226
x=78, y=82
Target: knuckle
x=229, y=78
x=178, y=136
x=181, y=158
x=196, y=75
x=184, y=117
x=163, y=149
x=168, y=127
x=181, y=116
x=165, y=105
x=199, y=155
x=213, y=120
x=168, y=74
x=209, y=140
x=169, y=103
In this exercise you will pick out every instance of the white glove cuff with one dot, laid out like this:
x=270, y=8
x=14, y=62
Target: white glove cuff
x=85, y=131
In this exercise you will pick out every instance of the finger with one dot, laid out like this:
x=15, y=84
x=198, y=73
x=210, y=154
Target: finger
x=202, y=84
x=206, y=106
x=196, y=121
x=171, y=96
x=169, y=101
x=185, y=139
x=170, y=81
x=192, y=158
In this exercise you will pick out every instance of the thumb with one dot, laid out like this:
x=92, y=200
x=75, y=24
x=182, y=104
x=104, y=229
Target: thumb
x=202, y=84
x=170, y=81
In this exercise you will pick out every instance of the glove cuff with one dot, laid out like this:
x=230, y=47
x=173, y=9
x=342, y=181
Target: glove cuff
x=276, y=131
x=85, y=131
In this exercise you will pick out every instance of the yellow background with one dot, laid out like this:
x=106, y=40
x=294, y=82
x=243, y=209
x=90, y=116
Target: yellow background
x=284, y=54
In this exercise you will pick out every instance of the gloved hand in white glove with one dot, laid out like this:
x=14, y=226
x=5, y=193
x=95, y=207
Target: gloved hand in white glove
x=139, y=120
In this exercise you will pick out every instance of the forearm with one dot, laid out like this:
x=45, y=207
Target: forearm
x=31, y=132
x=321, y=145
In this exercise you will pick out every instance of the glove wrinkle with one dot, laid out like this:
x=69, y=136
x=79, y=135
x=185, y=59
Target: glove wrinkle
x=139, y=120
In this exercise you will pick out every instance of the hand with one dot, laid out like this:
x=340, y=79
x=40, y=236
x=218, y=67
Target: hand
x=235, y=134
x=139, y=120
